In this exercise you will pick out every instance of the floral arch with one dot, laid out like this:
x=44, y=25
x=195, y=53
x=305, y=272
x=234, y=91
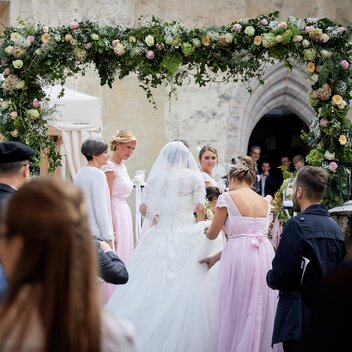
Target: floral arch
x=34, y=55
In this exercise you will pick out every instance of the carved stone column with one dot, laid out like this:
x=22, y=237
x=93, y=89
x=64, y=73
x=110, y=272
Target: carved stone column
x=343, y=216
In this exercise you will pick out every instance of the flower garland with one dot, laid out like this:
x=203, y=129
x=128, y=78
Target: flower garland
x=33, y=55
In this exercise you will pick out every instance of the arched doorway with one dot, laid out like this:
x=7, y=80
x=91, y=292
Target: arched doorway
x=278, y=134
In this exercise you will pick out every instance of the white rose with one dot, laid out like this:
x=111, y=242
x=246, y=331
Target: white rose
x=249, y=31
x=314, y=77
x=94, y=36
x=17, y=63
x=149, y=40
x=196, y=42
x=8, y=50
x=306, y=43
x=297, y=38
x=342, y=105
x=325, y=53
x=20, y=85
x=279, y=38
x=33, y=113
x=119, y=49
x=228, y=38
x=5, y=104
x=329, y=156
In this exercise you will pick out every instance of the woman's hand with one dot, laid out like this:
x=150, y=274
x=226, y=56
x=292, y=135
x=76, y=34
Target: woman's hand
x=210, y=261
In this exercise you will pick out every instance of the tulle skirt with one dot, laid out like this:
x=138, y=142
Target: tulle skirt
x=170, y=297
x=246, y=306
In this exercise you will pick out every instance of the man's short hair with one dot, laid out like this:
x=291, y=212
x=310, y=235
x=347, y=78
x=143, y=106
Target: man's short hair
x=10, y=169
x=256, y=147
x=313, y=180
x=297, y=158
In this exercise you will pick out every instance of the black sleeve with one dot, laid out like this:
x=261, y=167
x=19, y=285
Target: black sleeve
x=112, y=268
x=286, y=265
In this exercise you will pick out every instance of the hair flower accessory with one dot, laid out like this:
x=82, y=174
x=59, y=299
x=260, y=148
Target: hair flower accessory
x=240, y=165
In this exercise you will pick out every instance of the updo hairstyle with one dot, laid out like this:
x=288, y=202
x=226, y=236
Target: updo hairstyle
x=123, y=136
x=243, y=170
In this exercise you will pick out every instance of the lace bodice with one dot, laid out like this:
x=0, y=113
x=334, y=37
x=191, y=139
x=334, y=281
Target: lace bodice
x=175, y=197
x=237, y=225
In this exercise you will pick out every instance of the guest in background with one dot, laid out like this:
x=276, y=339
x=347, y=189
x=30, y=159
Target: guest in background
x=14, y=168
x=311, y=245
x=92, y=181
x=122, y=145
x=49, y=258
x=208, y=159
x=268, y=184
x=285, y=161
x=14, y=172
x=298, y=161
x=255, y=155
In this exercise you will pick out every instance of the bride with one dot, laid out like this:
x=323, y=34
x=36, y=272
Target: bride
x=170, y=296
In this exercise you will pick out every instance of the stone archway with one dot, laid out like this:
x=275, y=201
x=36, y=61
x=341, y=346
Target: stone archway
x=282, y=88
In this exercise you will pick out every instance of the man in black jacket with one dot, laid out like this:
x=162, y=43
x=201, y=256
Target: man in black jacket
x=311, y=245
x=111, y=268
x=14, y=168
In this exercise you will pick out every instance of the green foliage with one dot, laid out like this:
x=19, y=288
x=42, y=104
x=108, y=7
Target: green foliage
x=159, y=52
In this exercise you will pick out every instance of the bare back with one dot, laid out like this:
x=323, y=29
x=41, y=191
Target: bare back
x=249, y=203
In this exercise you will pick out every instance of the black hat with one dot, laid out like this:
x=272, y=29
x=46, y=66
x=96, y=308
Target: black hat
x=14, y=151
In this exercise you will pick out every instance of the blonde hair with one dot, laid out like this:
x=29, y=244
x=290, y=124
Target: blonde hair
x=123, y=136
x=243, y=170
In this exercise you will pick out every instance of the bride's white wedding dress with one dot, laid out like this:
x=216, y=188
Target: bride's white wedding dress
x=170, y=296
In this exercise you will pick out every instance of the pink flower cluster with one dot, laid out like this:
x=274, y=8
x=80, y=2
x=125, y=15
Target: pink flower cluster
x=333, y=166
x=344, y=64
x=323, y=93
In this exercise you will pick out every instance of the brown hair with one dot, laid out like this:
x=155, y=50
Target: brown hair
x=58, y=261
x=205, y=148
x=297, y=158
x=123, y=136
x=313, y=180
x=243, y=170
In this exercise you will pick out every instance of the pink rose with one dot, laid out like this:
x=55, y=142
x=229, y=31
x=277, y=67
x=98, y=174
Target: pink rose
x=150, y=55
x=30, y=38
x=342, y=29
x=264, y=21
x=344, y=64
x=308, y=29
x=7, y=71
x=13, y=114
x=115, y=42
x=324, y=123
x=333, y=166
x=88, y=45
x=74, y=25
x=236, y=27
x=282, y=25
x=36, y=103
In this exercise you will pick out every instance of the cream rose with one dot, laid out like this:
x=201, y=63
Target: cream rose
x=149, y=40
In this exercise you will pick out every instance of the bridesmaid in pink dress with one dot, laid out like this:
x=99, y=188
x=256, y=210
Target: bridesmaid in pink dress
x=245, y=306
x=122, y=146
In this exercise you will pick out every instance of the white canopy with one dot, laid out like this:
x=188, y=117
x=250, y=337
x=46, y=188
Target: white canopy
x=78, y=117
